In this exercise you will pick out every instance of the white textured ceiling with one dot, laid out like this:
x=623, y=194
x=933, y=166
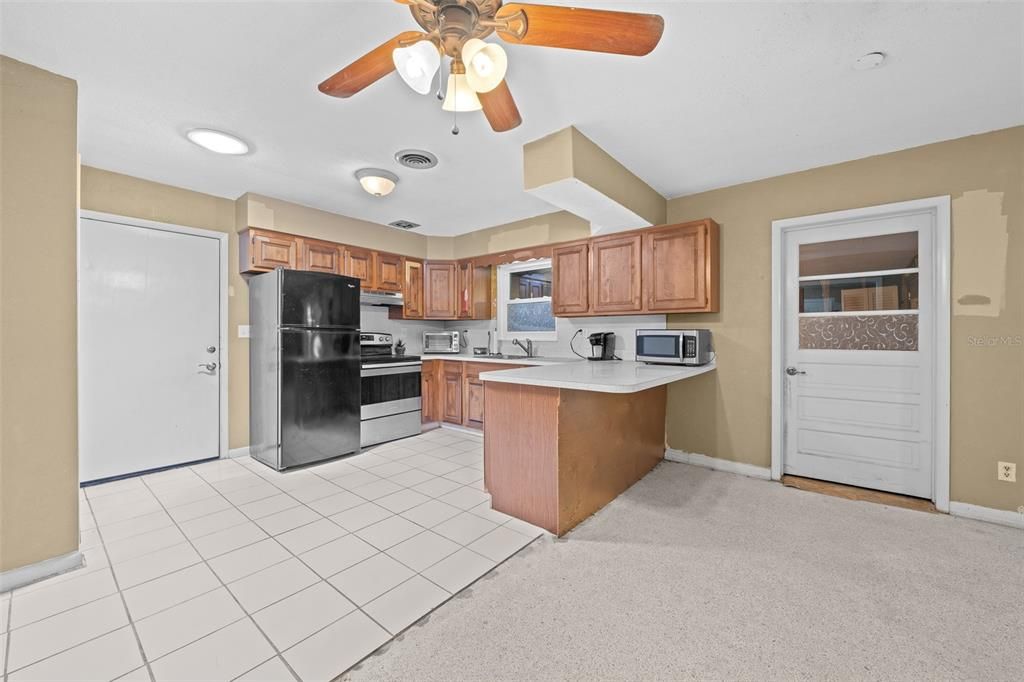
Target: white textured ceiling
x=735, y=92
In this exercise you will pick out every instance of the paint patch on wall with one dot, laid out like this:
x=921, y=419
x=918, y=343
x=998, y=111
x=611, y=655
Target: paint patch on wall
x=980, y=242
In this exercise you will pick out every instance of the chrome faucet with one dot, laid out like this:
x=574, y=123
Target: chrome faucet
x=527, y=348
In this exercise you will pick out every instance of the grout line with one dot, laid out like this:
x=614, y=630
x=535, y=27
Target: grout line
x=7, y=642
x=203, y=560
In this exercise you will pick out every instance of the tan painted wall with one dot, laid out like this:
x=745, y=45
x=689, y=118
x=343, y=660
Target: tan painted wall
x=38, y=309
x=544, y=229
x=275, y=214
x=727, y=413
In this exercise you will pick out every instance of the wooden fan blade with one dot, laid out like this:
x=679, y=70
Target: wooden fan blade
x=581, y=29
x=369, y=68
x=499, y=108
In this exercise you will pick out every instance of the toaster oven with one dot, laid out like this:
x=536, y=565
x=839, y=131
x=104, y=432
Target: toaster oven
x=674, y=346
x=441, y=342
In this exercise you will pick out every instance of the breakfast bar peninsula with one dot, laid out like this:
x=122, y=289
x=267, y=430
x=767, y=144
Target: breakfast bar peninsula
x=564, y=440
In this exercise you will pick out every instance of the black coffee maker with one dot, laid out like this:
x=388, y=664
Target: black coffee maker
x=602, y=346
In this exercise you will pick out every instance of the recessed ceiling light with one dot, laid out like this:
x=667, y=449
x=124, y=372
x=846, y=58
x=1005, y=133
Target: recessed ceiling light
x=216, y=141
x=871, y=60
x=377, y=182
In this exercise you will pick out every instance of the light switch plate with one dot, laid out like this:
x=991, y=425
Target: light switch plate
x=243, y=331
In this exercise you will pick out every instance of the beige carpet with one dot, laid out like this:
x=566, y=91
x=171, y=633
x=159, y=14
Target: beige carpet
x=696, y=574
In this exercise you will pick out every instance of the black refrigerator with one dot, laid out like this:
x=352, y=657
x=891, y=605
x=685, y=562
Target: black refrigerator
x=304, y=384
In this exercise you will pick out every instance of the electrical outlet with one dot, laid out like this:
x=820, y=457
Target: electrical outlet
x=1007, y=472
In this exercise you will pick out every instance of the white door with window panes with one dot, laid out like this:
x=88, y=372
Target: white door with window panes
x=859, y=352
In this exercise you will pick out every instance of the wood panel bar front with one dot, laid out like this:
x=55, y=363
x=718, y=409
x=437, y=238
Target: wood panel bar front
x=555, y=456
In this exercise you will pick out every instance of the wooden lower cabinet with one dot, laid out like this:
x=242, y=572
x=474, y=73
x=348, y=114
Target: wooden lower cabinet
x=451, y=391
x=430, y=391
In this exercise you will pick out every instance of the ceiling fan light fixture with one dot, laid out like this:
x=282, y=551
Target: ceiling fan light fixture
x=417, y=64
x=376, y=181
x=460, y=97
x=486, y=64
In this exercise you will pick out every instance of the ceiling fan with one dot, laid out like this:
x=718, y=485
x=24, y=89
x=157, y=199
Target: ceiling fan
x=456, y=28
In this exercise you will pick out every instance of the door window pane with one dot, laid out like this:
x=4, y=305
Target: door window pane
x=859, y=332
x=859, y=294
x=864, y=254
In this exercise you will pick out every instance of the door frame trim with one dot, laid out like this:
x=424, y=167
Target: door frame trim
x=222, y=239
x=939, y=207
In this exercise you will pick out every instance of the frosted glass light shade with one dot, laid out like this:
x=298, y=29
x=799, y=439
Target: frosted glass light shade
x=460, y=97
x=486, y=64
x=417, y=64
x=377, y=182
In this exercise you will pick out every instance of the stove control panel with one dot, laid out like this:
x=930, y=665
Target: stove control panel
x=375, y=339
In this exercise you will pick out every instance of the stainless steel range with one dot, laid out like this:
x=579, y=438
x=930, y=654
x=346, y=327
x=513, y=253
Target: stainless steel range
x=391, y=406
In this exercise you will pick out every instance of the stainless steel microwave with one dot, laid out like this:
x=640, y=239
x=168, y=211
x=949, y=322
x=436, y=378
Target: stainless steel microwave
x=441, y=342
x=674, y=346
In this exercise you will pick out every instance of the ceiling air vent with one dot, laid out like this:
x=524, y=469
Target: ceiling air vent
x=404, y=224
x=416, y=158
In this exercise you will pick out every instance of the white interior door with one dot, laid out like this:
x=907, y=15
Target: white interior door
x=859, y=352
x=149, y=348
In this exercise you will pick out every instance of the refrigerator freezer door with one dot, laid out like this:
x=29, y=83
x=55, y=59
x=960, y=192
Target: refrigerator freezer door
x=320, y=395
x=317, y=299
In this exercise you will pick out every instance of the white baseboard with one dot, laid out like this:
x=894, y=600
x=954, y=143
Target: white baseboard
x=717, y=464
x=1013, y=519
x=238, y=452
x=24, y=575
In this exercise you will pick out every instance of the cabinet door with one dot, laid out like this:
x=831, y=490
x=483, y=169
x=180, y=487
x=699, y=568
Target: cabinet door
x=412, y=290
x=465, y=293
x=615, y=274
x=440, y=291
x=451, y=390
x=569, y=273
x=474, y=403
x=680, y=268
x=429, y=391
x=269, y=250
x=322, y=257
x=388, y=272
x=359, y=264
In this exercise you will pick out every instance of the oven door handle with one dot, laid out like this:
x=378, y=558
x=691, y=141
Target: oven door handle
x=393, y=368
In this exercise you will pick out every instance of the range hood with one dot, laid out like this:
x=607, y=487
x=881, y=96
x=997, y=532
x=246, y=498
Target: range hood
x=380, y=298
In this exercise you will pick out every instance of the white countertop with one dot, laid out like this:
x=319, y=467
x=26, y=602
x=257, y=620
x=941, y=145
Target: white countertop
x=506, y=360
x=603, y=377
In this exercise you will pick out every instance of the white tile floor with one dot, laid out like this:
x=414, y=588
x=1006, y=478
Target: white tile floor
x=230, y=570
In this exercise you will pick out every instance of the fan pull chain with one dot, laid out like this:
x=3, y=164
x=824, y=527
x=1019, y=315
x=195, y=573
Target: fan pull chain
x=455, y=109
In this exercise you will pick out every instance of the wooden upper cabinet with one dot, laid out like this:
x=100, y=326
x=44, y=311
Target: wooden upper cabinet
x=474, y=294
x=412, y=290
x=388, y=271
x=320, y=256
x=262, y=250
x=615, y=274
x=465, y=294
x=680, y=268
x=440, y=291
x=570, y=279
x=359, y=264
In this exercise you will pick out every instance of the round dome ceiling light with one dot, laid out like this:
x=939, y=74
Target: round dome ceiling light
x=217, y=141
x=376, y=181
x=871, y=60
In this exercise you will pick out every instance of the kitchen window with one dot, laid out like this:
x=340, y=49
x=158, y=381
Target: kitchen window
x=524, y=301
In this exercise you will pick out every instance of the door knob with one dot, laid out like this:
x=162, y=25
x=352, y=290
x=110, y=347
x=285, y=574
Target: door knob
x=209, y=366
x=211, y=349
x=793, y=371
